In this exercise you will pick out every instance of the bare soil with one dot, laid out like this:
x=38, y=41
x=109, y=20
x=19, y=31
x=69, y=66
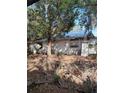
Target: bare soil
x=61, y=74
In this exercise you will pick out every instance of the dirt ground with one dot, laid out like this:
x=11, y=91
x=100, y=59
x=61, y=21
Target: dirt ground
x=61, y=74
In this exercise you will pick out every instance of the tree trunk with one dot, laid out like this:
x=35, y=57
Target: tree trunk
x=49, y=47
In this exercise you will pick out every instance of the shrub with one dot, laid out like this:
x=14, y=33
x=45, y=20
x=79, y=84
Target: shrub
x=56, y=78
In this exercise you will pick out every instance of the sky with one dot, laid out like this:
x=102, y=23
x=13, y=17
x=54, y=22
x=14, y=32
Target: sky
x=77, y=31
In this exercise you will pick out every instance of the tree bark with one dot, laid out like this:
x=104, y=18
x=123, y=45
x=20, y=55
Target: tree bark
x=49, y=47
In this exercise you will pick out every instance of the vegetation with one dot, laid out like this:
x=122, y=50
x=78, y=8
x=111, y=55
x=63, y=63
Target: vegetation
x=56, y=78
x=50, y=18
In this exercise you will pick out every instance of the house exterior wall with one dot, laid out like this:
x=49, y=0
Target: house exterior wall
x=71, y=47
x=84, y=49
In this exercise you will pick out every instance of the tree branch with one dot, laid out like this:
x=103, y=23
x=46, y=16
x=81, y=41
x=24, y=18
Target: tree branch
x=30, y=2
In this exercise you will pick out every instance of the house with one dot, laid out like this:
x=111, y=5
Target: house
x=83, y=45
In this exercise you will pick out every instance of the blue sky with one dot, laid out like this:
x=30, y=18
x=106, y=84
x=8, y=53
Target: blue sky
x=77, y=31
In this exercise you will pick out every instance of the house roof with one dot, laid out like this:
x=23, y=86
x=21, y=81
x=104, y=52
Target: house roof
x=89, y=36
x=80, y=34
x=78, y=31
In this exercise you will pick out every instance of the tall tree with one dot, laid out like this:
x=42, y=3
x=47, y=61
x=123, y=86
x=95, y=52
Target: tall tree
x=56, y=16
x=51, y=17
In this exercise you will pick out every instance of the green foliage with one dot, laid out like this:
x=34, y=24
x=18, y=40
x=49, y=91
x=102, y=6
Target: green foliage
x=90, y=46
x=56, y=78
x=34, y=28
x=88, y=19
x=93, y=56
x=49, y=18
x=59, y=11
x=60, y=18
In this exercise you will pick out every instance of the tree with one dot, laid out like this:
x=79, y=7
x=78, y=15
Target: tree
x=56, y=16
x=52, y=17
x=30, y=2
x=88, y=18
x=34, y=27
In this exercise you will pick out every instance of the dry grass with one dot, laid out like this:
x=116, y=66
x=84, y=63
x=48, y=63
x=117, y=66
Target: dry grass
x=61, y=74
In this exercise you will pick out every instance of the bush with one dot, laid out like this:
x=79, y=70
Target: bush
x=56, y=78
x=93, y=56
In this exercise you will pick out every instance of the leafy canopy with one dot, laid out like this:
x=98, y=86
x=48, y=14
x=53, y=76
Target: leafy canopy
x=51, y=17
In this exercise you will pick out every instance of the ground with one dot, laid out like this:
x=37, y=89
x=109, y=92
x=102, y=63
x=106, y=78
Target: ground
x=61, y=74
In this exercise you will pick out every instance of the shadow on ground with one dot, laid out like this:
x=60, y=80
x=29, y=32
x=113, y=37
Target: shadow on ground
x=46, y=75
